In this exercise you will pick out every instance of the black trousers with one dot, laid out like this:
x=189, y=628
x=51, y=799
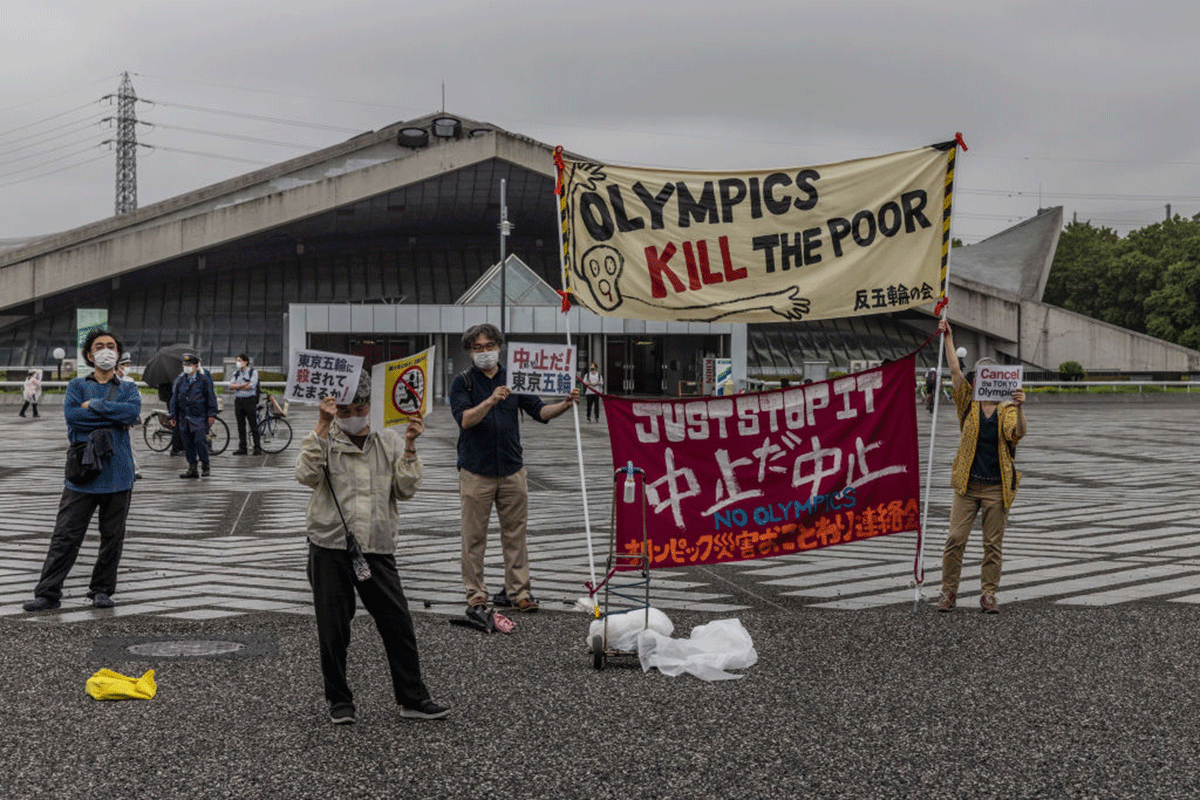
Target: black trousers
x=74, y=515
x=27, y=405
x=333, y=585
x=593, y=405
x=244, y=410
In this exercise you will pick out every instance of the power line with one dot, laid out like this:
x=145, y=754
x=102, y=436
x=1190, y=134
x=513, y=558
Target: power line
x=257, y=117
x=87, y=85
x=47, y=119
x=44, y=152
x=270, y=92
x=42, y=139
x=233, y=136
x=206, y=155
x=53, y=171
x=44, y=163
x=1030, y=194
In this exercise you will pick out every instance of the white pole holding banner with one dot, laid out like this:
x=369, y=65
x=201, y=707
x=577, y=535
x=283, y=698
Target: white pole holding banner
x=587, y=521
x=919, y=577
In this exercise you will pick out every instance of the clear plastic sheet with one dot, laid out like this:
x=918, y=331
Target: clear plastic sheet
x=712, y=649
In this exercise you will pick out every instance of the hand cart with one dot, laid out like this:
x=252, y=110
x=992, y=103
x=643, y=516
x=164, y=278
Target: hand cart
x=634, y=487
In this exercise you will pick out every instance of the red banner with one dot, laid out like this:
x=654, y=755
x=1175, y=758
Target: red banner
x=772, y=473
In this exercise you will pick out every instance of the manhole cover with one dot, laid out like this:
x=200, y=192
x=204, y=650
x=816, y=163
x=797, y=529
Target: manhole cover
x=195, y=647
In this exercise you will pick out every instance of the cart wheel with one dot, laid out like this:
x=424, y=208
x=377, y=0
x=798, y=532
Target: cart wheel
x=597, y=652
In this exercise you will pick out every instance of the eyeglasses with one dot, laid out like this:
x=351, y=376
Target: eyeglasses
x=483, y=348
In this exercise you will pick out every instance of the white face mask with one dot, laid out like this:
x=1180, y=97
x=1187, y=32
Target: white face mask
x=486, y=359
x=241, y=365
x=105, y=359
x=188, y=370
x=353, y=425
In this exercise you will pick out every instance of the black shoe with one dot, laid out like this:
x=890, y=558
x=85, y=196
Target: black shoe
x=191, y=473
x=341, y=714
x=102, y=600
x=41, y=604
x=500, y=599
x=176, y=452
x=426, y=709
x=241, y=452
x=204, y=469
x=22, y=416
x=258, y=451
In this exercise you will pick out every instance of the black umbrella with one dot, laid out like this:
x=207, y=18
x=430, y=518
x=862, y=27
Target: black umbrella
x=165, y=365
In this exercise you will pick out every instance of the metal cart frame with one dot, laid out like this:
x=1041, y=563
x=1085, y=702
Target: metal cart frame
x=599, y=649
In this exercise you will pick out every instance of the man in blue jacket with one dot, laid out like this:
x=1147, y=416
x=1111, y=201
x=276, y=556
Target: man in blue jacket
x=193, y=408
x=99, y=409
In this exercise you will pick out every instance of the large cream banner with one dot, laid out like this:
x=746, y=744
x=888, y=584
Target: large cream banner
x=835, y=240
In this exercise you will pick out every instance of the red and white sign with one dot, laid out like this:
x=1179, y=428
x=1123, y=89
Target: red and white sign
x=772, y=473
x=995, y=383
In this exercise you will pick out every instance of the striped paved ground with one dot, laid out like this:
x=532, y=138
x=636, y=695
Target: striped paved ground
x=1106, y=514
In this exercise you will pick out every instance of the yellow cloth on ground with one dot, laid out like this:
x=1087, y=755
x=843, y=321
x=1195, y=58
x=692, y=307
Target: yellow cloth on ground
x=109, y=685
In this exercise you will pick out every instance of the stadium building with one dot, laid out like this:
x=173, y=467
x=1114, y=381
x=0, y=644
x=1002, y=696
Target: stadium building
x=389, y=242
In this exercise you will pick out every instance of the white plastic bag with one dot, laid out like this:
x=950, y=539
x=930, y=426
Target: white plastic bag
x=713, y=648
x=624, y=627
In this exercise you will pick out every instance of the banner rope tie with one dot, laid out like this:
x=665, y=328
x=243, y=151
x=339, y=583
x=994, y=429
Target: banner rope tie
x=561, y=166
x=957, y=137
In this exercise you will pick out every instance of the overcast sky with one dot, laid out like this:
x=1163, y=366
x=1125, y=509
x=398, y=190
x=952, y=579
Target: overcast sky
x=1088, y=104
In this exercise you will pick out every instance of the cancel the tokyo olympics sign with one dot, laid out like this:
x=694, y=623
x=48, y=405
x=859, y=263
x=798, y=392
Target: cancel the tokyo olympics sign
x=995, y=383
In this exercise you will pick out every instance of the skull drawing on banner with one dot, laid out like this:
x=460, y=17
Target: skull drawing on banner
x=600, y=270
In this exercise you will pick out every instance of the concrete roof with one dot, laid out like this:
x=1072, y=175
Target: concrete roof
x=370, y=183
x=1016, y=260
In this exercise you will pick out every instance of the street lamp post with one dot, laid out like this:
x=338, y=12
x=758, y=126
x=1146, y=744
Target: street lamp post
x=60, y=354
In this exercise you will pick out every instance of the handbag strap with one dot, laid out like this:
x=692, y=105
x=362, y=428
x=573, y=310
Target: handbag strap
x=351, y=542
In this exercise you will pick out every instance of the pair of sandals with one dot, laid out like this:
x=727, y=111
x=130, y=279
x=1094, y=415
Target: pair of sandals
x=484, y=619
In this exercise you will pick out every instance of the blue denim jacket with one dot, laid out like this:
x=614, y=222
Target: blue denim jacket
x=119, y=413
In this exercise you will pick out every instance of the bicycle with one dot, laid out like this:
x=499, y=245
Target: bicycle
x=158, y=433
x=274, y=431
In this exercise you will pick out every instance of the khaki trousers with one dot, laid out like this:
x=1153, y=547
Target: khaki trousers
x=980, y=497
x=510, y=495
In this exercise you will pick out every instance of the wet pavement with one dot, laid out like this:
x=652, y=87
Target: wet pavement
x=1084, y=685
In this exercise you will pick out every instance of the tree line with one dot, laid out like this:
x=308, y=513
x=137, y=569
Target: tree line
x=1147, y=281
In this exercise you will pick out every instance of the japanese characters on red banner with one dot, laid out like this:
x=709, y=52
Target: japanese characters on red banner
x=315, y=374
x=537, y=368
x=773, y=473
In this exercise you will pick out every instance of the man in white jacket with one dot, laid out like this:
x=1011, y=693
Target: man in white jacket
x=357, y=475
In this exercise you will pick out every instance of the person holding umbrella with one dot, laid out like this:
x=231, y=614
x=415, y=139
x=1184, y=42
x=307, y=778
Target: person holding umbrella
x=160, y=373
x=193, y=409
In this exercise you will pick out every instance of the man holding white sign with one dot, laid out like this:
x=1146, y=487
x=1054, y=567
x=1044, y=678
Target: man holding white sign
x=984, y=473
x=490, y=466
